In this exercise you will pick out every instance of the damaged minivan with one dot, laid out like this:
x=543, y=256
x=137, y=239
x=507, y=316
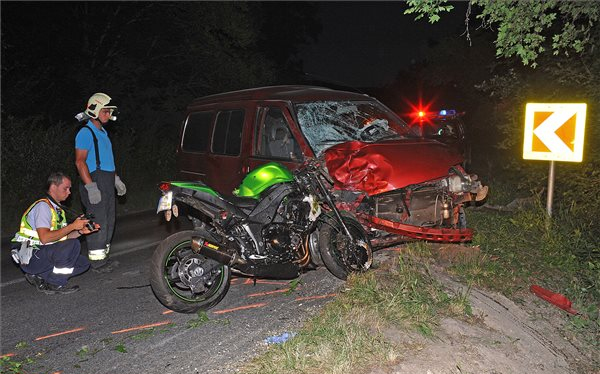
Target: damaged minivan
x=398, y=185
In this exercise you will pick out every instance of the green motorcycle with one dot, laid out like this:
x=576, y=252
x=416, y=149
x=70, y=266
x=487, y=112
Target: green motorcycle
x=277, y=225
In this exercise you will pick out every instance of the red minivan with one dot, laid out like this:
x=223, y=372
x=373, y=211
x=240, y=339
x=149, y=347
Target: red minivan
x=393, y=181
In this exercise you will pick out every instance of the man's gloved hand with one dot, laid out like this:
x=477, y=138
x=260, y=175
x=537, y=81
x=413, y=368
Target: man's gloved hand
x=93, y=193
x=120, y=186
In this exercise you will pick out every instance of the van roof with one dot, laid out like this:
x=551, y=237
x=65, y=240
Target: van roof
x=295, y=93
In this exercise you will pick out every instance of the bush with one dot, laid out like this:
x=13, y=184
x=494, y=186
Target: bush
x=32, y=148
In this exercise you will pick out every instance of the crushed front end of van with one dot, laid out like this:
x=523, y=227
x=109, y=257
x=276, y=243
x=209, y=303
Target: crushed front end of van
x=392, y=181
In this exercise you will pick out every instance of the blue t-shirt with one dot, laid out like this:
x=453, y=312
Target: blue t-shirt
x=40, y=215
x=85, y=141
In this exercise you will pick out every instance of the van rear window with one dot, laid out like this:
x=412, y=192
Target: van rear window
x=197, y=132
x=227, y=136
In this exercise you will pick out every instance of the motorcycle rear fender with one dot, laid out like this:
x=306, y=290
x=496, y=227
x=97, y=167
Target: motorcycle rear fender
x=194, y=186
x=206, y=200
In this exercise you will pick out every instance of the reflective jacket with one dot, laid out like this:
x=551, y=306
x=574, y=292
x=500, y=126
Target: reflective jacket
x=26, y=233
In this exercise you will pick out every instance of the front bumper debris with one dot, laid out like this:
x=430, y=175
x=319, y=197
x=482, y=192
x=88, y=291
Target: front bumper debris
x=447, y=235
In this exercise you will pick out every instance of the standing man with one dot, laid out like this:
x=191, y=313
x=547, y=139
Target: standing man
x=96, y=167
x=49, y=252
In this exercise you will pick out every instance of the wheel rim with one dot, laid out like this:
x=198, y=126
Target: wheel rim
x=190, y=276
x=357, y=257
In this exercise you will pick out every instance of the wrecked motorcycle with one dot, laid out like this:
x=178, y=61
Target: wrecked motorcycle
x=277, y=224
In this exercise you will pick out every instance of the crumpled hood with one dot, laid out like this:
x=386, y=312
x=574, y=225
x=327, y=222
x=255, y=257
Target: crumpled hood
x=379, y=167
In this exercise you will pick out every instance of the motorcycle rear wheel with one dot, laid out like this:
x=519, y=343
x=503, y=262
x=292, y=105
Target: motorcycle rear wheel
x=339, y=256
x=184, y=281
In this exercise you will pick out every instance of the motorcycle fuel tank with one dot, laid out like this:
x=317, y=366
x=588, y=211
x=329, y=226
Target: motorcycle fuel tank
x=385, y=166
x=261, y=178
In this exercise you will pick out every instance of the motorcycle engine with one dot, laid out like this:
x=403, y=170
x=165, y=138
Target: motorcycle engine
x=293, y=210
x=281, y=242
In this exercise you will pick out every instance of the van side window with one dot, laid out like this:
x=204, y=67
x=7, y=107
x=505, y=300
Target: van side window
x=197, y=131
x=227, y=136
x=274, y=138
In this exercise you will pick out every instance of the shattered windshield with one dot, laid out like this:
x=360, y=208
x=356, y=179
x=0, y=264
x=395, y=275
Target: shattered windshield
x=326, y=123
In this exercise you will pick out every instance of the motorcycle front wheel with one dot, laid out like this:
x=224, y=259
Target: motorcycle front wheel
x=340, y=256
x=184, y=281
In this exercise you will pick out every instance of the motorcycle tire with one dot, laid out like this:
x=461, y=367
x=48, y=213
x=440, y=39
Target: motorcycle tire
x=175, y=266
x=336, y=253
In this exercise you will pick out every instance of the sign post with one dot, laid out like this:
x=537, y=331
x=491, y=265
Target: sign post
x=554, y=132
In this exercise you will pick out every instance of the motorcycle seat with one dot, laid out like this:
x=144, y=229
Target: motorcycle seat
x=243, y=202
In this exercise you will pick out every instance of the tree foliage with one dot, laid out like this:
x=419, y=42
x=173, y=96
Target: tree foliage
x=152, y=58
x=525, y=29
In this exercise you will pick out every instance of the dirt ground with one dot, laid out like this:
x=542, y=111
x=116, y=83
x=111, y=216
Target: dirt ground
x=505, y=337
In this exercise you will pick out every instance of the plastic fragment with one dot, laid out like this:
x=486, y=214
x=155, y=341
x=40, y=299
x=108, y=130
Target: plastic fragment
x=554, y=298
x=279, y=339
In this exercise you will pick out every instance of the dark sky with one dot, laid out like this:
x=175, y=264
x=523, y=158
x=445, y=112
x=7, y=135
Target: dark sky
x=364, y=44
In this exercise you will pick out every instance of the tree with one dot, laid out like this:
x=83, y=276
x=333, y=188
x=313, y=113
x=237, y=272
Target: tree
x=151, y=57
x=526, y=29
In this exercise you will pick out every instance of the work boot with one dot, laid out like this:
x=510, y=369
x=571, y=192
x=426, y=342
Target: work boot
x=104, y=266
x=35, y=280
x=52, y=289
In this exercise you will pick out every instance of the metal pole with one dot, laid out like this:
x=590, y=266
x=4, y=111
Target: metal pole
x=550, y=189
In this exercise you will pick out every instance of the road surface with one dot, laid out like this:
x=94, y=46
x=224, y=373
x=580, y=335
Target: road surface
x=115, y=324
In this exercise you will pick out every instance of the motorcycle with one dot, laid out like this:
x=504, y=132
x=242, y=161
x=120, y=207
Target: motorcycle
x=278, y=224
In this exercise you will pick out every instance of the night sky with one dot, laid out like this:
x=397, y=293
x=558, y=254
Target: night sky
x=365, y=44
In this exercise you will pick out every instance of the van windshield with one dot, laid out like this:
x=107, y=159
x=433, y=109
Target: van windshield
x=327, y=123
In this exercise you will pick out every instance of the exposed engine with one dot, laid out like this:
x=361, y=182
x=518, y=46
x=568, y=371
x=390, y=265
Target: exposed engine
x=426, y=206
x=282, y=239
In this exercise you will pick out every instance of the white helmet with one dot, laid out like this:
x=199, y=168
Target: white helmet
x=97, y=102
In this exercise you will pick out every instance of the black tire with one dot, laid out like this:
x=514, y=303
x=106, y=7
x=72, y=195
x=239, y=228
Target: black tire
x=336, y=253
x=175, y=292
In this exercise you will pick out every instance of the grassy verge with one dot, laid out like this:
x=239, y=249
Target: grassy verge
x=522, y=248
x=517, y=249
x=352, y=332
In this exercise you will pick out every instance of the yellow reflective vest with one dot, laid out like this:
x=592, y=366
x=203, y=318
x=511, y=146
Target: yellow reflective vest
x=26, y=233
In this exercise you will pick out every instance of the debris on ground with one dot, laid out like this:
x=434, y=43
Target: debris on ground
x=279, y=339
x=554, y=298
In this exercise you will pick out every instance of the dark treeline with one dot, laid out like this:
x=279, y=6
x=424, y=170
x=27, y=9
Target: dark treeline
x=152, y=58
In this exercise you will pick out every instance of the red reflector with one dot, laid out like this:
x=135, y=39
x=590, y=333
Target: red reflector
x=164, y=186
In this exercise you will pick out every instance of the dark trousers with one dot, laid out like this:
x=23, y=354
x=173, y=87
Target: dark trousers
x=104, y=211
x=57, y=262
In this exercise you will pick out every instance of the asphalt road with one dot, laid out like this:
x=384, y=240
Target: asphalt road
x=114, y=324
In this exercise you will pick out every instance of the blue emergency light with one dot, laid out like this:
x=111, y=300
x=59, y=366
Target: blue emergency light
x=449, y=112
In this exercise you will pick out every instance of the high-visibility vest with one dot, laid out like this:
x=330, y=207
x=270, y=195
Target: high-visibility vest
x=26, y=233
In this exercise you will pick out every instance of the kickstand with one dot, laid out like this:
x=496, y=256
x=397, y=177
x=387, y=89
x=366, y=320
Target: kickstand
x=254, y=280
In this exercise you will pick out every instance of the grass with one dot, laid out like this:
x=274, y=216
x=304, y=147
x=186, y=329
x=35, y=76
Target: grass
x=516, y=249
x=14, y=366
x=349, y=335
x=523, y=247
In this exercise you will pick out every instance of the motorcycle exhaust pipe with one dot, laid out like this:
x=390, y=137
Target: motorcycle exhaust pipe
x=210, y=250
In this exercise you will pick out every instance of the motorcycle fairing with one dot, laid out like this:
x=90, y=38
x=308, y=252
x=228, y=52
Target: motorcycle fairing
x=375, y=168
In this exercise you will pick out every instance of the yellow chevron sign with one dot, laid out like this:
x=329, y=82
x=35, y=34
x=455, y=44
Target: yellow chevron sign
x=554, y=132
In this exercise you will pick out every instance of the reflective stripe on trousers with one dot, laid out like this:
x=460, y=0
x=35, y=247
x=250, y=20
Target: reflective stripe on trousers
x=62, y=270
x=97, y=254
